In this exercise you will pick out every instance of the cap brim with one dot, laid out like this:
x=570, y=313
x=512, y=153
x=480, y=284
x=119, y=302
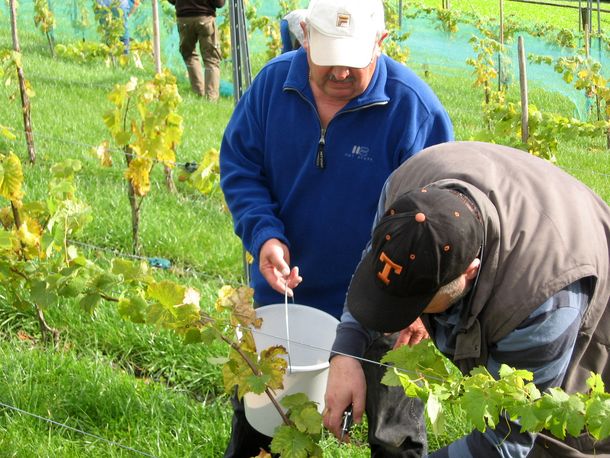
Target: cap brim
x=376, y=309
x=330, y=51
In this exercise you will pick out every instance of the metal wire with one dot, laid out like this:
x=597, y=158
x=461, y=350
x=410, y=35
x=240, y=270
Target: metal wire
x=85, y=433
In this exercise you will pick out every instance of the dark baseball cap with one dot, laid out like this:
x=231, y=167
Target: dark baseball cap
x=425, y=240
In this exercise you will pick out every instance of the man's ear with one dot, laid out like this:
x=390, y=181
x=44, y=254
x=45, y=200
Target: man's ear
x=472, y=269
x=384, y=35
x=305, y=43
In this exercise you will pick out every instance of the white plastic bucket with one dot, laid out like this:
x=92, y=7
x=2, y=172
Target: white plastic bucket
x=312, y=333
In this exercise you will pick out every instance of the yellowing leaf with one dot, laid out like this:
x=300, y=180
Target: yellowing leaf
x=272, y=363
x=7, y=132
x=178, y=306
x=11, y=178
x=30, y=233
x=102, y=153
x=133, y=308
x=207, y=175
x=138, y=173
x=239, y=303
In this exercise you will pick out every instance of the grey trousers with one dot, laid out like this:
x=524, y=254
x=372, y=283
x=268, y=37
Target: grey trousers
x=202, y=30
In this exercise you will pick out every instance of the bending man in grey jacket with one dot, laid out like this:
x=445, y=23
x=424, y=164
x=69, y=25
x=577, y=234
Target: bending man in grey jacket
x=506, y=259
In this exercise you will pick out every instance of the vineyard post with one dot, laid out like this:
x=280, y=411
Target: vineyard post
x=587, y=49
x=524, y=95
x=501, y=43
x=156, y=39
x=585, y=18
x=25, y=100
x=169, y=180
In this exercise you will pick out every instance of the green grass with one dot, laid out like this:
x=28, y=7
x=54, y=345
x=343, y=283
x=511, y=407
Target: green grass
x=134, y=384
x=92, y=395
x=557, y=16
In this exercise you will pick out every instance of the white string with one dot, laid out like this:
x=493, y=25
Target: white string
x=358, y=358
x=287, y=324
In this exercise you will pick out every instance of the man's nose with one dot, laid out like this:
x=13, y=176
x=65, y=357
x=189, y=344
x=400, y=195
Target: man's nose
x=340, y=73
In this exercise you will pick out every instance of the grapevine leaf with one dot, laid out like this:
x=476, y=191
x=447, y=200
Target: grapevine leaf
x=40, y=294
x=558, y=409
x=167, y=293
x=6, y=240
x=7, y=132
x=138, y=174
x=528, y=419
x=102, y=153
x=423, y=359
x=11, y=178
x=246, y=340
x=133, y=308
x=598, y=412
x=507, y=372
x=415, y=388
x=434, y=411
x=71, y=286
x=308, y=420
x=103, y=281
x=239, y=303
x=217, y=361
x=236, y=371
x=257, y=383
x=131, y=271
x=273, y=364
x=595, y=383
x=196, y=335
x=480, y=404
x=90, y=301
x=291, y=443
x=303, y=412
x=66, y=169
x=206, y=177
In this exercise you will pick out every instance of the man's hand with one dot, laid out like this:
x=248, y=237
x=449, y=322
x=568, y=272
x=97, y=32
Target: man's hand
x=274, y=264
x=412, y=334
x=346, y=386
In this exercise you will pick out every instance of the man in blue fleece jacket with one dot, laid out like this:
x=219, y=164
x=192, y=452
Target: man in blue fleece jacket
x=306, y=151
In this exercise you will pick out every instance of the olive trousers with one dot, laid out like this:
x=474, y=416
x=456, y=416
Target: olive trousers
x=202, y=30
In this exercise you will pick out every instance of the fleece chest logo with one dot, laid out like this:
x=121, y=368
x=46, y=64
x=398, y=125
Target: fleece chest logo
x=389, y=266
x=343, y=20
x=361, y=153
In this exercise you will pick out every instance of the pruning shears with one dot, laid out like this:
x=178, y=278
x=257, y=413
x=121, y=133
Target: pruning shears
x=347, y=422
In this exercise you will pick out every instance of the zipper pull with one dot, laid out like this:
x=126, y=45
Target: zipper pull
x=320, y=162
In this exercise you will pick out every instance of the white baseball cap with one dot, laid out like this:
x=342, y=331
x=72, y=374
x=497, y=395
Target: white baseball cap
x=344, y=32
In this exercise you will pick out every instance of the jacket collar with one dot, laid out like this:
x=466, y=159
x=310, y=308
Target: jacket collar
x=298, y=80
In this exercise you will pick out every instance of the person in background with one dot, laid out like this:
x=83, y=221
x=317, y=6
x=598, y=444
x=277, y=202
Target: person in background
x=502, y=266
x=291, y=31
x=196, y=21
x=119, y=9
x=302, y=159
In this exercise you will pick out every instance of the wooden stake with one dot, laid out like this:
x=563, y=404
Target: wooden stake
x=156, y=38
x=524, y=95
x=25, y=100
x=501, y=43
x=169, y=175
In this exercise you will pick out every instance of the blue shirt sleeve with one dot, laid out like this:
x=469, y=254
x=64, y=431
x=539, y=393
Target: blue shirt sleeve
x=542, y=344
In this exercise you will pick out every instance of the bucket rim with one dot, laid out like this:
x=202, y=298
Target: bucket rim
x=302, y=368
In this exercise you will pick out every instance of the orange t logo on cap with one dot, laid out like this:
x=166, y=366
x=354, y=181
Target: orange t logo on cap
x=390, y=265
